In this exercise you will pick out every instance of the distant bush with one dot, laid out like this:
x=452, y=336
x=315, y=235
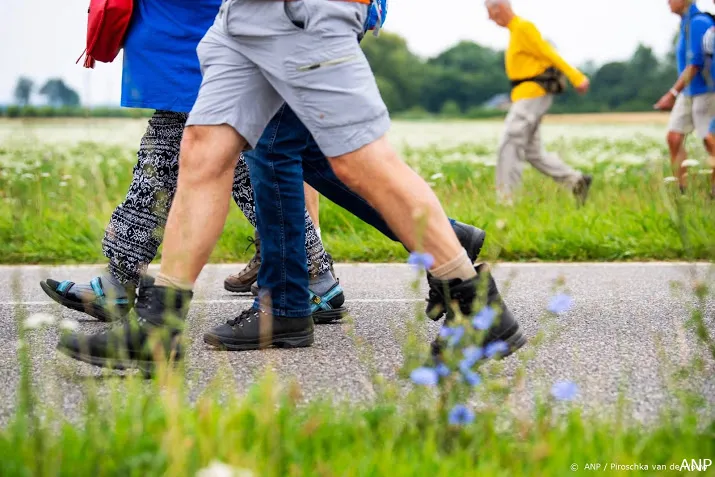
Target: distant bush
x=72, y=112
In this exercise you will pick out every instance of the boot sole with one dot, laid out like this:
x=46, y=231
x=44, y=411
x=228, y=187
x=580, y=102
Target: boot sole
x=98, y=312
x=146, y=367
x=289, y=340
x=328, y=316
x=237, y=288
x=514, y=341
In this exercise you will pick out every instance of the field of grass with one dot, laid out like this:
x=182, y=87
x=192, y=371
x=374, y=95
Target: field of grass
x=61, y=179
x=59, y=184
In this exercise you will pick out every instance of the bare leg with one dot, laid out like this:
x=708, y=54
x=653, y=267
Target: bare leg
x=676, y=144
x=401, y=196
x=198, y=212
x=312, y=203
x=710, y=147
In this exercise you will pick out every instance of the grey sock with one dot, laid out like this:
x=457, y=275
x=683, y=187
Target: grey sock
x=322, y=283
x=111, y=286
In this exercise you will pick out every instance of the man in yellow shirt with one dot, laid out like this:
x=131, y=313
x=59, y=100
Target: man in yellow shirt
x=527, y=57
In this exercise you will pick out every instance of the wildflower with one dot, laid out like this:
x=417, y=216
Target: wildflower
x=484, y=319
x=38, y=320
x=66, y=177
x=492, y=349
x=472, y=354
x=442, y=370
x=670, y=179
x=45, y=174
x=68, y=325
x=219, y=469
x=560, y=303
x=420, y=260
x=501, y=224
x=456, y=336
x=424, y=376
x=63, y=184
x=690, y=163
x=472, y=378
x=460, y=415
x=564, y=390
x=436, y=176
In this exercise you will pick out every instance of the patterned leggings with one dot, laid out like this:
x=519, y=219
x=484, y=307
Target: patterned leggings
x=136, y=228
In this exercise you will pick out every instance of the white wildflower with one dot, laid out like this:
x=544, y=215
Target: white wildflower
x=63, y=184
x=38, y=320
x=436, y=176
x=45, y=174
x=670, y=179
x=66, y=177
x=501, y=224
x=68, y=325
x=690, y=163
x=705, y=172
x=219, y=469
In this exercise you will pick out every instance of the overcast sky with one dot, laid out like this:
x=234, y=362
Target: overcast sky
x=43, y=38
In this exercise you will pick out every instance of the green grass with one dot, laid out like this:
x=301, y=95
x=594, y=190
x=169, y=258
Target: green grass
x=55, y=202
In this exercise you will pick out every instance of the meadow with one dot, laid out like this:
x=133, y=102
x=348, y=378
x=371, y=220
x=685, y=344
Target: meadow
x=61, y=179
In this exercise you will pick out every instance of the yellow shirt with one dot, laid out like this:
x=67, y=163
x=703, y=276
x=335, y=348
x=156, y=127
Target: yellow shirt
x=529, y=55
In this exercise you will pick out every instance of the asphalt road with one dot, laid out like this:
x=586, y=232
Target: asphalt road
x=625, y=332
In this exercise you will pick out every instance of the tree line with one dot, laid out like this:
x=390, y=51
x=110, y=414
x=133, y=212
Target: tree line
x=459, y=82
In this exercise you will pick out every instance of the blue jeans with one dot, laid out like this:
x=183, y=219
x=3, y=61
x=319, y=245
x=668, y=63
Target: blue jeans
x=285, y=156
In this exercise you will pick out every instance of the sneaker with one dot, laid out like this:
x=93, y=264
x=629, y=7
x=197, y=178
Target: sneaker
x=242, y=281
x=444, y=295
x=151, y=330
x=582, y=187
x=254, y=329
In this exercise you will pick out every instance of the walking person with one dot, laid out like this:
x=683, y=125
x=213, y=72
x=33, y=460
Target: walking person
x=536, y=72
x=303, y=53
x=691, y=99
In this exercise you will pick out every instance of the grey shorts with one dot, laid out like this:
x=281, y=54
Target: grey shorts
x=259, y=54
x=693, y=113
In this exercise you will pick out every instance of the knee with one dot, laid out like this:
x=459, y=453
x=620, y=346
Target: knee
x=361, y=168
x=208, y=151
x=675, y=140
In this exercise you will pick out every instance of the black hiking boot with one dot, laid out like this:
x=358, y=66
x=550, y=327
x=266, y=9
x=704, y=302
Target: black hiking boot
x=152, y=331
x=465, y=297
x=254, y=329
x=471, y=238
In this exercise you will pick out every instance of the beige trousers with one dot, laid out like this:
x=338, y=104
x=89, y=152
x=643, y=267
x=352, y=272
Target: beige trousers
x=521, y=143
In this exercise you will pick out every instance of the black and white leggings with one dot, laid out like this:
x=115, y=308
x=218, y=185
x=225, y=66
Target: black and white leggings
x=136, y=228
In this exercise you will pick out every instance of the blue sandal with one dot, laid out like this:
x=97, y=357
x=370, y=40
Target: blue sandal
x=329, y=307
x=100, y=306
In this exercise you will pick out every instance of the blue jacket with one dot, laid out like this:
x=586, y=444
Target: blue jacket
x=689, y=50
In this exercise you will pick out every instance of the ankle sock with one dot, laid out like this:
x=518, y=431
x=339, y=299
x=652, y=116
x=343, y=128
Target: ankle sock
x=322, y=283
x=166, y=281
x=459, y=267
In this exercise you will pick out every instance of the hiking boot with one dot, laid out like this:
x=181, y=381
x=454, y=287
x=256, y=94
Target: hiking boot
x=580, y=190
x=242, y=281
x=152, y=331
x=449, y=297
x=254, y=329
x=471, y=238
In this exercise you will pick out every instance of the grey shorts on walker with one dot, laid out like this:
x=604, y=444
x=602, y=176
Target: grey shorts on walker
x=261, y=53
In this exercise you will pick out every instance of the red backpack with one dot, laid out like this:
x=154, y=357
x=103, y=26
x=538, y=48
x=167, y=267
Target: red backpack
x=106, y=28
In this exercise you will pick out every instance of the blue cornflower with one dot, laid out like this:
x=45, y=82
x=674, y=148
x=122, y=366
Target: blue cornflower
x=484, y=319
x=424, y=376
x=456, y=336
x=496, y=347
x=460, y=415
x=472, y=378
x=442, y=370
x=560, y=303
x=472, y=354
x=446, y=332
x=564, y=390
x=421, y=260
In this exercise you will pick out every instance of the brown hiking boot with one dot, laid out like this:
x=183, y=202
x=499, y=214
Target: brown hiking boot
x=241, y=282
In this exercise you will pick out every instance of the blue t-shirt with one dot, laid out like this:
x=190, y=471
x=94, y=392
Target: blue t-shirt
x=689, y=50
x=161, y=69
